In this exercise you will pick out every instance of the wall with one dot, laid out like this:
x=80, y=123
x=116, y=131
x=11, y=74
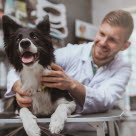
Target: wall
x=76, y=9
x=102, y=7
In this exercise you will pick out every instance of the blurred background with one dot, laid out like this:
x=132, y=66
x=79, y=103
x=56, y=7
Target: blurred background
x=73, y=21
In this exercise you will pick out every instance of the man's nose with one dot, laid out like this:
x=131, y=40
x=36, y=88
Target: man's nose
x=103, y=41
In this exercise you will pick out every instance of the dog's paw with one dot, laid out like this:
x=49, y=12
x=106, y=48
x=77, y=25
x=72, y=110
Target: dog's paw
x=29, y=123
x=31, y=127
x=56, y=128
x=56, y=125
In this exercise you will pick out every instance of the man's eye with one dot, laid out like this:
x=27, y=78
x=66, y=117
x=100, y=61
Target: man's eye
x=112, y=40
x=102, y=34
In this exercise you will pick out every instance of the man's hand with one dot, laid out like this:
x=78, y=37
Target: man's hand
x=57, y=78
x=22, y=102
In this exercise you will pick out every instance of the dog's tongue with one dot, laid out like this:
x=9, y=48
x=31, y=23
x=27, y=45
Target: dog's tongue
x=27, y=57
x=27, y=60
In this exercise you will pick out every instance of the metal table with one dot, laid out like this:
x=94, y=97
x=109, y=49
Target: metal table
x=96, y=120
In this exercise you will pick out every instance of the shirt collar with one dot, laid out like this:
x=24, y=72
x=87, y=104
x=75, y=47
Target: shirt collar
x=87, y=53
x=94, y=66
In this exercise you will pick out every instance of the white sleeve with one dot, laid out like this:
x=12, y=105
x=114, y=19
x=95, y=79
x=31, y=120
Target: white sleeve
x=105, y=96
x=62, y=55
x=65, y=56
x=11, y=79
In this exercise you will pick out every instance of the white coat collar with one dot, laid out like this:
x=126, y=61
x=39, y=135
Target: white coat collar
x=86, y=53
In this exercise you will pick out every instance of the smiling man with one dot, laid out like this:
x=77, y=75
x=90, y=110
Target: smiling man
x=111, y=38
x=95, y=74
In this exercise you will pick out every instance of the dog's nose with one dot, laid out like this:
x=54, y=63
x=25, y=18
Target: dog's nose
x=25, y=44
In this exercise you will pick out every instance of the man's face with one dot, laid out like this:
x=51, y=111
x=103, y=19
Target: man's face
x=109, y=41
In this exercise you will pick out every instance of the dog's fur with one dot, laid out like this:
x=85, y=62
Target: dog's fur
x=30, y=52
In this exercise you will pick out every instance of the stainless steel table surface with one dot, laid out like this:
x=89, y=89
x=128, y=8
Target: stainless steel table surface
x=96, y=120
x=111, y=115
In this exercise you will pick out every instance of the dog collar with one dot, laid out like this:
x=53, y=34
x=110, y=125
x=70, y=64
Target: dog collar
x=41, y=88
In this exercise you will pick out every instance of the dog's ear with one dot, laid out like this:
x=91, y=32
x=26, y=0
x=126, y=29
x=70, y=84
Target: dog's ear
x=44, y=26
x=9, y=25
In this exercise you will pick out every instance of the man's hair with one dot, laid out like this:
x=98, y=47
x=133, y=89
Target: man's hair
x=120, y=18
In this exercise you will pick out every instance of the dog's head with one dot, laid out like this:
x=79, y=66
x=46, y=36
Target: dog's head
x=25, y=46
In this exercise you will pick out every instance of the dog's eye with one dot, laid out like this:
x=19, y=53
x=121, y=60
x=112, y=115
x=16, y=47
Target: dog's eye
x=18, y=39
x=35, y=37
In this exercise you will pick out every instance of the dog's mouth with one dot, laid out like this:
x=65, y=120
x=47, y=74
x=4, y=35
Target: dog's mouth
x=29, y=57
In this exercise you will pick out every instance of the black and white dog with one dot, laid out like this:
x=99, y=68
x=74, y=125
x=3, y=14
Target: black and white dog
x=30, y=52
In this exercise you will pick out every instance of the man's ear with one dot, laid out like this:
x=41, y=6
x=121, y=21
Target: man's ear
x=44, y=26
x=126, y=45
x=9, y=26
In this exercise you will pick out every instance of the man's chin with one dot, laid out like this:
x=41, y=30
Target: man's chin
x=100, y=57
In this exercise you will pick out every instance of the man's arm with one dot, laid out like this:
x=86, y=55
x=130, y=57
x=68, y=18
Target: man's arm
x=14, y=89
x=93, y=99
x=20, y=94
x=12, y=77
x=103, y=97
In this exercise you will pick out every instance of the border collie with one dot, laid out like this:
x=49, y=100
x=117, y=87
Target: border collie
x=30, y=52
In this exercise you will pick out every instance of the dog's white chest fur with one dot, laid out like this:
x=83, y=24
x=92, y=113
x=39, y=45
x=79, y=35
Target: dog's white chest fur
x=42, y=103
x=31, y=82
x=30, y=77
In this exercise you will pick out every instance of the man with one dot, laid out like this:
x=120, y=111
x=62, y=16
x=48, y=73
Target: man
x=95, y=73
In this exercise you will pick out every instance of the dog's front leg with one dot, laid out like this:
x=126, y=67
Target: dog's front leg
x=59, y=117
x=29, y=122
